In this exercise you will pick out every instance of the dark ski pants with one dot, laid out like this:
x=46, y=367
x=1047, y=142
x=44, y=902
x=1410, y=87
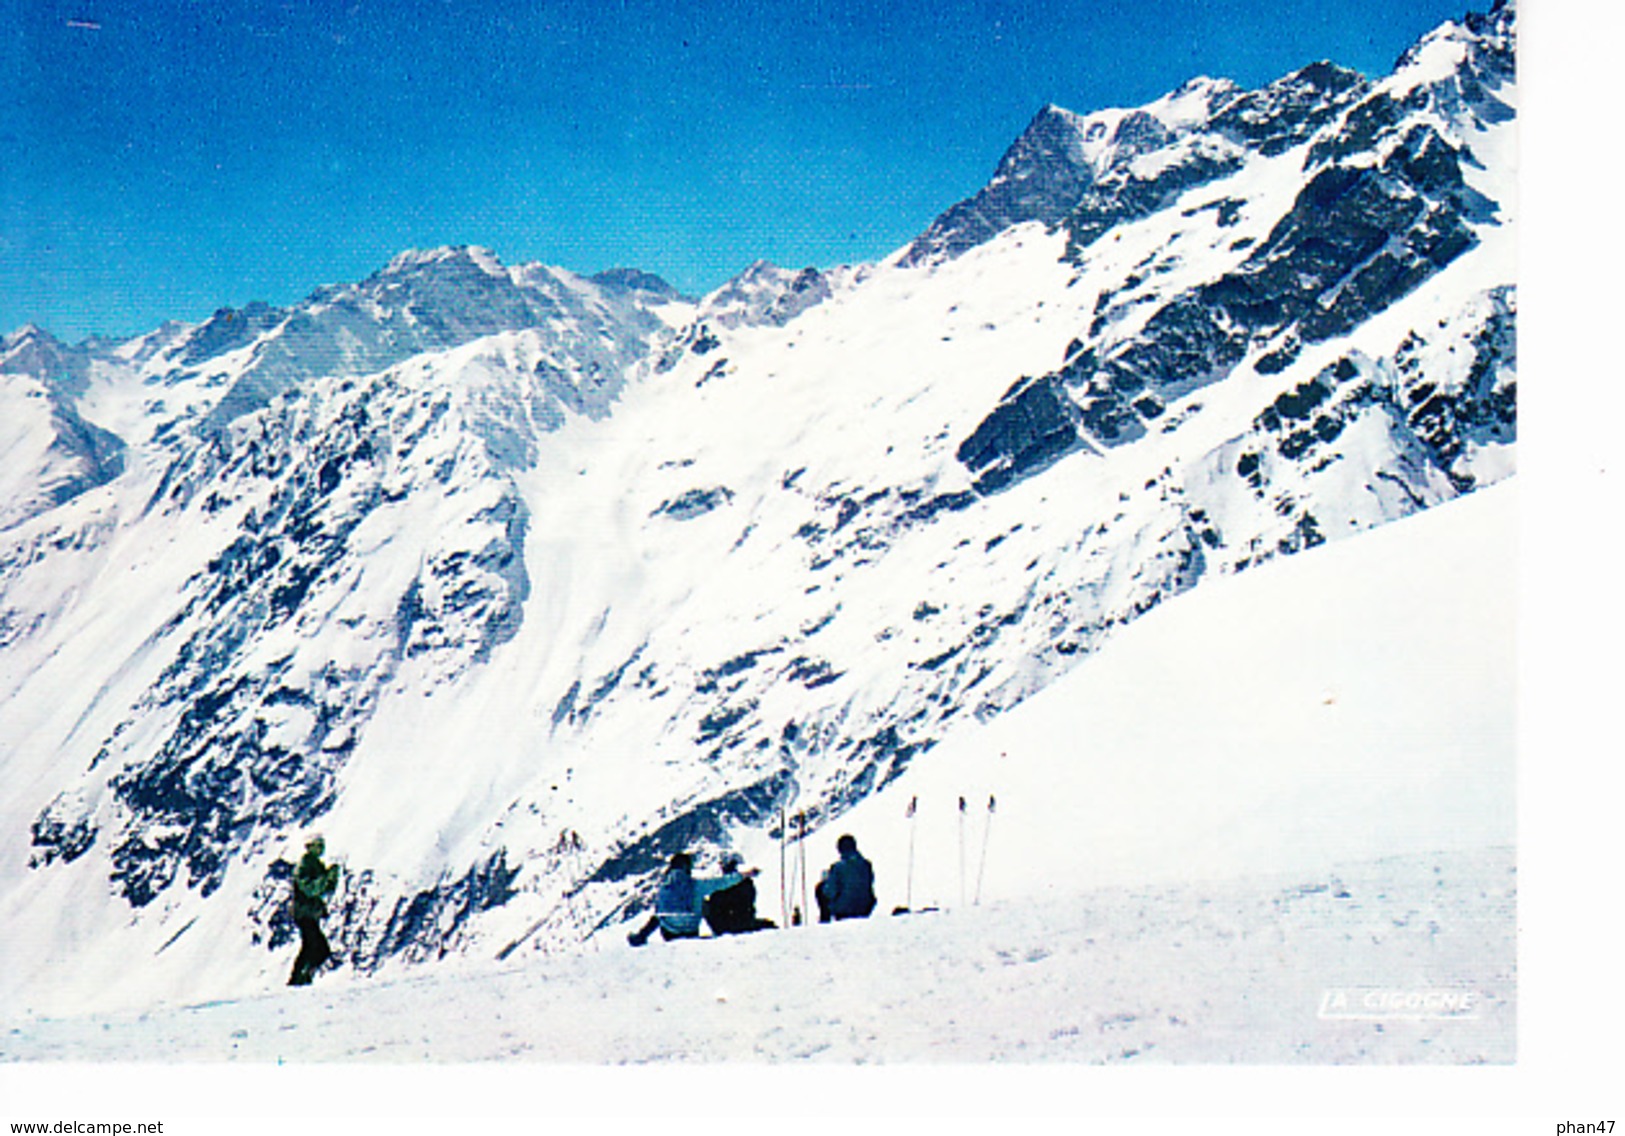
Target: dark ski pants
x=641, y=935
x=741, y=927
x=826, y=914
x=313, y=951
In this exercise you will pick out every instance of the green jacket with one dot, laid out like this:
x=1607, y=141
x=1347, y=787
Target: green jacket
x=313, y=882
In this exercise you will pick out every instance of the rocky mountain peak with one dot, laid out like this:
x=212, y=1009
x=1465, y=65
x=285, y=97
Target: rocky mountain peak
x=1050, y=147
x=1039, y=178
x=1097, y=170
x=422, y=300
x=1488, y=40
x=765, y=293
x=15, y=339
x=33, y=351
x=635, y=280
x=446, y=257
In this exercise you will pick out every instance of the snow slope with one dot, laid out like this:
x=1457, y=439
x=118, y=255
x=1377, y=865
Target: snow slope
x=1309, y=823
x=1232, y=972
x=1359, y=700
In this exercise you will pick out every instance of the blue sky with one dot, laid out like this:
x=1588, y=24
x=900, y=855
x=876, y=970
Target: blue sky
x=162, y=158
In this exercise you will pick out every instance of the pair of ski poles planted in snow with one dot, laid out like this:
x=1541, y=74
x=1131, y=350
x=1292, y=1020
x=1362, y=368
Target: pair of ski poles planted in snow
x=793, y=876
x=981, y=864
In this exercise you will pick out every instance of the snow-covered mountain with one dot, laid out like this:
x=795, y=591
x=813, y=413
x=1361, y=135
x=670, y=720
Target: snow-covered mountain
x=513, y=581
x=1218, y=932
x=51, y=454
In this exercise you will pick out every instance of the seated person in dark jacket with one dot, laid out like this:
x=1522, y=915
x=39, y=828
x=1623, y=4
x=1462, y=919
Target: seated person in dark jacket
x=847, y=890
x=678, y=901
x=732, y=910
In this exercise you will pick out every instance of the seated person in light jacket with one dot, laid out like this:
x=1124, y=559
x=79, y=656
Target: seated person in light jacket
x=678, y=902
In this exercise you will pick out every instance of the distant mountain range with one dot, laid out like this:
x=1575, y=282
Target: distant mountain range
x=513, y=581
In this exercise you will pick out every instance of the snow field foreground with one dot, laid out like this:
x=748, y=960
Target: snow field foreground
x=1232, y=972
x=1331, y=811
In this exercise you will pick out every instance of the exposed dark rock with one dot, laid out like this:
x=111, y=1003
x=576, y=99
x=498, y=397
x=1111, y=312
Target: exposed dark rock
x=1274, y=118
x=1033, y=425
x=694, y=503
x=699, y=824
x=635, y=280
x=1126, y=196
x=1452, y=413
x=64, y=831
x=227, y=330
x=429, y=924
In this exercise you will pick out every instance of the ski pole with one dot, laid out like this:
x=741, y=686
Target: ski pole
x=982, y=865
x=908, y=898
x=962, y=851
x=784, y=883
x=801, y=844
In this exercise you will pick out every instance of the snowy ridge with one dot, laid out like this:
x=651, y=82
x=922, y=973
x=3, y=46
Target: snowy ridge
x=514, y=581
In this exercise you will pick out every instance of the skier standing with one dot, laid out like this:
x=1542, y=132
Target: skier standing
x=313, y=882
x=847, y=890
